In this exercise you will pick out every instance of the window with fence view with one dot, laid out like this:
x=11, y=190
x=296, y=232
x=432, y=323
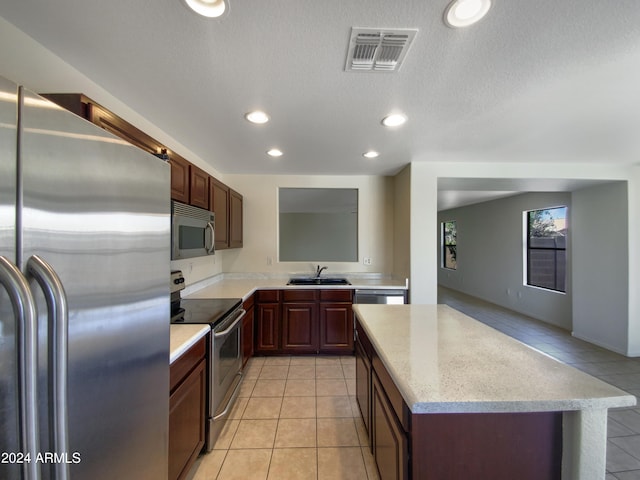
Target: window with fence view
x=547, y=248
x=449, y=245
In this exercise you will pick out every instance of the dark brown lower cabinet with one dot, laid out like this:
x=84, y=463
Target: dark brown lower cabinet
x=451, y=446
x=363, y=384
x=304, y=321
x=499, y=446
x=187, y=409
x=267, y=322
x=390, y=444
x=300, y=327
x=336, y=328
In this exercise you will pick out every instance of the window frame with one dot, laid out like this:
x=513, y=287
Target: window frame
x=529, y=248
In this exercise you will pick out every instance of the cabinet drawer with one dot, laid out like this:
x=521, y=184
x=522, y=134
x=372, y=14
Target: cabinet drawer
x=336, y=295
x=186, y=362
x=268, y=296
x=300, y=295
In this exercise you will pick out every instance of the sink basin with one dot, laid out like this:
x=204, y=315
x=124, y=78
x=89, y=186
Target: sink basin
x=318, y=281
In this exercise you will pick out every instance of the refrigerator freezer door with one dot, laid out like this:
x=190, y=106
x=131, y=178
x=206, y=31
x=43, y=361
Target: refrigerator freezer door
x=97, y=210
x=9, y=436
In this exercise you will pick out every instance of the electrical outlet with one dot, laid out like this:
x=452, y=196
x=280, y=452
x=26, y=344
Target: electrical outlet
x=367, y=260
x=269, y=261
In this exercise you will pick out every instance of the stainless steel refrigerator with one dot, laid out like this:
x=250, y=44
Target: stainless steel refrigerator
x=84, y=298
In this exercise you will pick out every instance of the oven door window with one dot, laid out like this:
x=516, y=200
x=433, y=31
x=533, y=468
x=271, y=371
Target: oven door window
x=228, y=355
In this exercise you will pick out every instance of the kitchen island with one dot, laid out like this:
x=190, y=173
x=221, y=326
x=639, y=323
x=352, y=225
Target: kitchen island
x=444, y=396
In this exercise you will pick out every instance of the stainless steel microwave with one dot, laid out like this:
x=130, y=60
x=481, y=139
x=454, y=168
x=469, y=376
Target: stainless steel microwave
x=192, y=231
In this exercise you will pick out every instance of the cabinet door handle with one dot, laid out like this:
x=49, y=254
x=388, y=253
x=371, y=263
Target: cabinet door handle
x=24, y=308
x=58, y=318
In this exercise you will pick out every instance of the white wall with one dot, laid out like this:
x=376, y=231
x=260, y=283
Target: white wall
x=423, y=242
x=402, y=224
x=601, y=265
x=634, y=261
x=490, y=256
x=260, y=251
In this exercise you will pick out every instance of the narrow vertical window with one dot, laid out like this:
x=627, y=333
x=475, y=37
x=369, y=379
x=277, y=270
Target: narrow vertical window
x=547, y=248
x=449, y=245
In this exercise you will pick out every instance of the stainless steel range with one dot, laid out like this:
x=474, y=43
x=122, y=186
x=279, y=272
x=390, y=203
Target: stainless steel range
x=224, y=315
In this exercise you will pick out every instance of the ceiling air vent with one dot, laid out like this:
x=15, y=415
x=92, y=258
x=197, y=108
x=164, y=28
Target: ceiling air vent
x=378, y=50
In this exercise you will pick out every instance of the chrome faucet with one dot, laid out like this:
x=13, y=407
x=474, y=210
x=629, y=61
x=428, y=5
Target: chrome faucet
x=319, y=271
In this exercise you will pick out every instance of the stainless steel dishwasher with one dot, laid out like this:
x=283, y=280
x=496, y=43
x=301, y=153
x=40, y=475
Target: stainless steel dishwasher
x=380, y=296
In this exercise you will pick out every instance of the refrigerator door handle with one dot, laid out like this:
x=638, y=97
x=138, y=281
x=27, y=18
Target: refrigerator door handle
x=58, y=316
x=24, y=307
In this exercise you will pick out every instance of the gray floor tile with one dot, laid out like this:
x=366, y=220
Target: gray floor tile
x=619, y=461
x=631, y=445
x=631, y=475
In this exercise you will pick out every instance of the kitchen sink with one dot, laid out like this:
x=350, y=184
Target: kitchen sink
x=318, y=281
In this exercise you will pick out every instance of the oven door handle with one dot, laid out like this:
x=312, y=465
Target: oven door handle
x=228, y=330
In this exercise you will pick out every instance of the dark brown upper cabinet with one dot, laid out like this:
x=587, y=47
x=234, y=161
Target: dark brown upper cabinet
x=89, y=110
x=180, y=178
x=199, y=187
x=219, y=201
x=235, y=219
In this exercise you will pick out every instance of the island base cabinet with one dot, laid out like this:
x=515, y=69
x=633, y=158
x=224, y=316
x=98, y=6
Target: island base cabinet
x=499, y=446
x=363, y=386
x=390, y=443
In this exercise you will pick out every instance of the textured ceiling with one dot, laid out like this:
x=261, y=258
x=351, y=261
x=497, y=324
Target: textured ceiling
x=539, y=81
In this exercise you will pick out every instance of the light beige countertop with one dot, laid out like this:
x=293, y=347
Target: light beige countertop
x=243, y=286
x=443, y=361
x=182, y=337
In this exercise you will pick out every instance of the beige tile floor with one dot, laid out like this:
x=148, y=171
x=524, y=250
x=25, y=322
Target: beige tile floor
x=296, y=418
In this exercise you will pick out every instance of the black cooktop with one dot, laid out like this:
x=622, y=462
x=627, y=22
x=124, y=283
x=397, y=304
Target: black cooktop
x=210, y=310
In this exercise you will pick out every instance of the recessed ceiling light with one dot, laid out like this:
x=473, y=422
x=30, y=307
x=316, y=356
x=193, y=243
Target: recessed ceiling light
x=370, y=154
x=394, y=120
x=274, y=152
x=257, y=116
x=462, y=13
x=207, y=8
